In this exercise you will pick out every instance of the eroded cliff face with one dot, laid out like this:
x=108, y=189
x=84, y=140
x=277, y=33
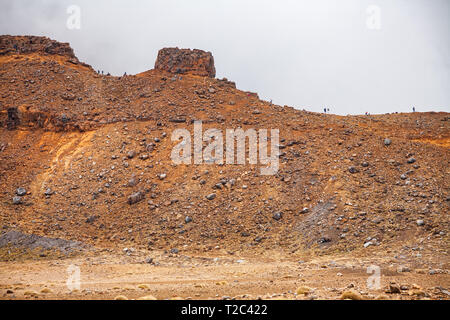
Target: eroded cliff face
x=186, y=61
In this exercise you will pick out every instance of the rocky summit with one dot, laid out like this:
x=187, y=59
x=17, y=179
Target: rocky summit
x=186, y=61
x=86, y=157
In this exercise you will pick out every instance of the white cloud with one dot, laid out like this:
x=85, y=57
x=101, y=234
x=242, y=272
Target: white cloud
x=307, y=54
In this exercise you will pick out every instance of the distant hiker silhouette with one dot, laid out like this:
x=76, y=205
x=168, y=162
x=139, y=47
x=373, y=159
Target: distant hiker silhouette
x=325, y=110
x=414, y=109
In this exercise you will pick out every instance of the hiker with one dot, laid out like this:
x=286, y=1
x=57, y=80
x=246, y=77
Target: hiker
x=414, y=109
x=124, y=74
x=324, y=110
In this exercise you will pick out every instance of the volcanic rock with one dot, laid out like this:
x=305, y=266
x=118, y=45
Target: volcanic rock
x=186, y=61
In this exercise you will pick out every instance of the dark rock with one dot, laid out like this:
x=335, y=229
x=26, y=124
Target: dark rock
x=91, y=219
x=21, y=191
x=393, y=288
x=211, y=196
x=136, y=197
x=324, y=240
x=352, y=169
x=177, y=120
x=13, y=118
x=277, y=215
x=17, y=200
x=19, y=239
x=149, y=260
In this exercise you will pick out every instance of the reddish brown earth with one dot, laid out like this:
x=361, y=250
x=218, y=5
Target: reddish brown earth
x=81, y=143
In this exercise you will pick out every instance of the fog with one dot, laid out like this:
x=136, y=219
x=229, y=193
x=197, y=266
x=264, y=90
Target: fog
x=351, y=56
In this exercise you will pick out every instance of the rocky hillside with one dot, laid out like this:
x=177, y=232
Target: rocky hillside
x=86, y=157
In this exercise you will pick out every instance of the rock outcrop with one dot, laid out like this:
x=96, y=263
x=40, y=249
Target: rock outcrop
x=186, y=61
x=29, y=44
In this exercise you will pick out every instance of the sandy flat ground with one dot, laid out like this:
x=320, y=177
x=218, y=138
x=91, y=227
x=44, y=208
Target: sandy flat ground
x=107, y=276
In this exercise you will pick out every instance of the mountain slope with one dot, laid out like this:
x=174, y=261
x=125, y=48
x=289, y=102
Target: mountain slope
x=80, y=143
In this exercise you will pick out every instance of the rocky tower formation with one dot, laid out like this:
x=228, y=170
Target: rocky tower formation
x=186, y=61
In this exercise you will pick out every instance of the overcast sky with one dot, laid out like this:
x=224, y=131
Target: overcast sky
x=351, y=56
